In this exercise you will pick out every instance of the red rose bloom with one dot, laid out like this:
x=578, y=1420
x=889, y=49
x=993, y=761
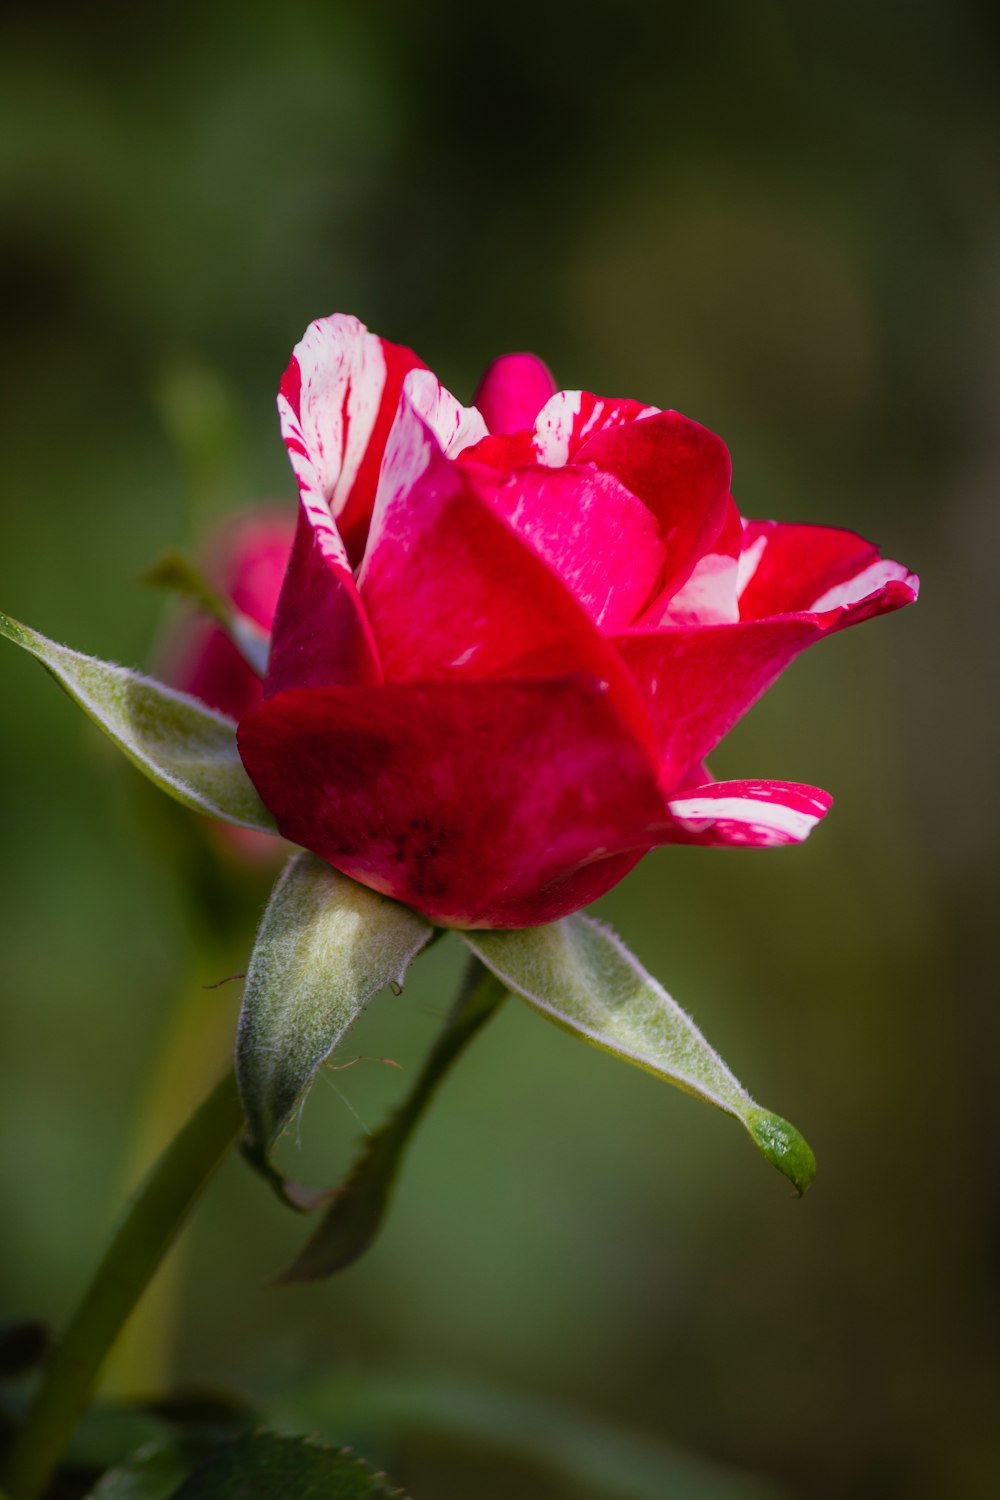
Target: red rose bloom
x=509, y=636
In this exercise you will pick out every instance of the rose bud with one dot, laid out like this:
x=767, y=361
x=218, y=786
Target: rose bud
x=507, y=639
x=245, y=562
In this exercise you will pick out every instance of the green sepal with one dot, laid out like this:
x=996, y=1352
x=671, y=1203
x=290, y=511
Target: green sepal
x=579, y=974
x=189, y=751
x=325, y=947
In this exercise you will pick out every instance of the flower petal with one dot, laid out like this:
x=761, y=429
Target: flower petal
x=698, y=680
x=710, y=595
x=570, y=418
x=812, y=569
x=598, y=537
x=456, y=427
x=451, y=591
x=763, y=814
x=337, y=401
x=513, y=392
x=681, y=471
x=474, y=802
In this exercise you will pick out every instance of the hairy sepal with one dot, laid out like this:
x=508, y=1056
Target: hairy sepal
x=189, y=751
x=325, y=948
x=580, y=975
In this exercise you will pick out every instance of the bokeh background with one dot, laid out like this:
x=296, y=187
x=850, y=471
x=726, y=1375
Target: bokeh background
x=782, y=220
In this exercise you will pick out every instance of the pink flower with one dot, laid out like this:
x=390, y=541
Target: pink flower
x=509, y=636
x=245, y=562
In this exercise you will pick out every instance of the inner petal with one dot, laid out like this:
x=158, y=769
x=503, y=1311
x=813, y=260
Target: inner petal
x=601, y=540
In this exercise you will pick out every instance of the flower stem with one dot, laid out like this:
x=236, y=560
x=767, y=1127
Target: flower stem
x=150, y=1223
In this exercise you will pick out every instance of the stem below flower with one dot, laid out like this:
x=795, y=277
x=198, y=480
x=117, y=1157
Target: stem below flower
x=150, y=1224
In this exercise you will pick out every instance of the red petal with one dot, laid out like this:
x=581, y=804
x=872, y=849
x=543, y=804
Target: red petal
x=698, y=680
x=811, y=569
x=600, y=539
x=451, y=591
x=321, y=637
x=681, y=471
x=500, y=803
x=513, y=392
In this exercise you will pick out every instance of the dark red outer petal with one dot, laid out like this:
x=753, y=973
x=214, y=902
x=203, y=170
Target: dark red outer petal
x=480, y=804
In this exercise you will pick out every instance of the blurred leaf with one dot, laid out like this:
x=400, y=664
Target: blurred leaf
x=581, y=976
x=177, y=573
x=324, y=949
x=153, y=1473
x=107, y=1435
x=109, y=1432
x=266, y=1466
x=360, y=1205
x=601, y=1458
x=188, y=750
x=147, y=1450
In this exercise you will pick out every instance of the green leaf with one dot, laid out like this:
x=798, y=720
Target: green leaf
x=360, y=1205
x=153, y=1473
x=265, y=1466
x=324, y=949
x=177, y=573
x=582, y=1453
x=581, y=976
x=188, y=750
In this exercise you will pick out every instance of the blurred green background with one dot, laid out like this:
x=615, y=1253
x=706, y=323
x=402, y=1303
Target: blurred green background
x=783, y=221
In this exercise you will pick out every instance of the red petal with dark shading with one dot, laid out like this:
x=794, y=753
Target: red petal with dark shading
x=321, y=636
x=477, y=803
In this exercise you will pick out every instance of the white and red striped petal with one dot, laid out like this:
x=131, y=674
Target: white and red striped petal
x=337, y=401
x=762, y=814
x=571, y=418
x=803, y=569
x=710, y=595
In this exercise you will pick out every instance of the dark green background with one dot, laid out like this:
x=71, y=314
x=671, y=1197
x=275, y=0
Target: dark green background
x=782, y=220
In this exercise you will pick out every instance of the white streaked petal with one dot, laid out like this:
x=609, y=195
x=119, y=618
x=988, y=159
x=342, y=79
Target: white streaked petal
x=869, y=581
x=750, y=812
x=455, y=426
x=749, y=562
x=343, y=374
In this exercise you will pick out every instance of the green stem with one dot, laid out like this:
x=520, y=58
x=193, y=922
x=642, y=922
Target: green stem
x=150, y=1224
x=356, y=1213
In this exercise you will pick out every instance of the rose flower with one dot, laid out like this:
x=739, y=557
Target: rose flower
x=510, y=634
